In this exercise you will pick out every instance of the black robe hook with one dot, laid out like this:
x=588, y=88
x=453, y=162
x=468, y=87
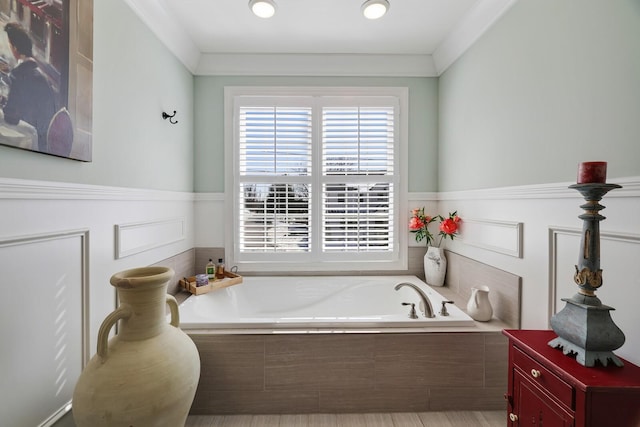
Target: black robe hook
x=166, y=116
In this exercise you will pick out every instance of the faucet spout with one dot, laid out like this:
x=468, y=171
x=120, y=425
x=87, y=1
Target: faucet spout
x=425, y=303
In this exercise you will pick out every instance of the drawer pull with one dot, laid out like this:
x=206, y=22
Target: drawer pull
x=513, y=417
x=535, y=373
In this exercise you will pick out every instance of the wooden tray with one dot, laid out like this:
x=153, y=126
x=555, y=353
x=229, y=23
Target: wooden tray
x=189, y=283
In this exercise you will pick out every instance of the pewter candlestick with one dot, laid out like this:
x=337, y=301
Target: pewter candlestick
x=584, y=326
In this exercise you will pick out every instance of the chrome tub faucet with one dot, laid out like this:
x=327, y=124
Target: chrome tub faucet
x=425, y=303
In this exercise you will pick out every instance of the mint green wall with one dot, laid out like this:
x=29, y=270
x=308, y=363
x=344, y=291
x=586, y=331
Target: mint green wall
x=209, y=123
x=135, y=77
x=553, y=83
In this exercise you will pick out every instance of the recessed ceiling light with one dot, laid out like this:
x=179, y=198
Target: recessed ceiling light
x=374, y=9
x=263, y=8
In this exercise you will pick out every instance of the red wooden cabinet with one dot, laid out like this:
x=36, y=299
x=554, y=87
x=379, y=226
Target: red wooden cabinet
x=547, y=388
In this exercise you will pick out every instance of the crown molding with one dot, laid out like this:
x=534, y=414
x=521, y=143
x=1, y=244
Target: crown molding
x=171, y=35
x=301, y=64
x=479, y=19
x=472, y=26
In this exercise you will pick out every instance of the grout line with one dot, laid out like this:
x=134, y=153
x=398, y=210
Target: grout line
x=484, y=361
x=264, y=365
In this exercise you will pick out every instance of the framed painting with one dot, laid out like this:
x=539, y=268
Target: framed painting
x=46, y=69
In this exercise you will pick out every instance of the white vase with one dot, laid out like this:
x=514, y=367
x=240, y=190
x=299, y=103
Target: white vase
x=147, y=374
x=479, y=306
x=435, y=266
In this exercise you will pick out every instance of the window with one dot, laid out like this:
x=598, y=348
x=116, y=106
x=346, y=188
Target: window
x=316, y=179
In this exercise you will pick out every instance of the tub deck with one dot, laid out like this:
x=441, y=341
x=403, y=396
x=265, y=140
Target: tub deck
x=318, y=304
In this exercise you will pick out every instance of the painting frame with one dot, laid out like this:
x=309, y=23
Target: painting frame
x=61, y=32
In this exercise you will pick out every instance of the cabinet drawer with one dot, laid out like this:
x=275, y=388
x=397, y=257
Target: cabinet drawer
x=547, y=380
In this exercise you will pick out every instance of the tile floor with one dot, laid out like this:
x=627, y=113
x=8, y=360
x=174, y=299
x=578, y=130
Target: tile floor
x=421, y=419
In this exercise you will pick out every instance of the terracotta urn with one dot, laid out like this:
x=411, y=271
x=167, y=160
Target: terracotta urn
x=146, y=375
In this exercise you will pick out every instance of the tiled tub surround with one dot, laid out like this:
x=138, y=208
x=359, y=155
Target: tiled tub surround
x=183, y=266
x=364, y=372
x=505, y=288
x=310, y=373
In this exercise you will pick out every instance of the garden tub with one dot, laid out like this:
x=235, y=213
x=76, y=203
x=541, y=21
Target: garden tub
x=320, y=303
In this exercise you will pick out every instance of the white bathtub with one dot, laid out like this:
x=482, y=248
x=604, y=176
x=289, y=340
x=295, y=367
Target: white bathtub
x=316, y=303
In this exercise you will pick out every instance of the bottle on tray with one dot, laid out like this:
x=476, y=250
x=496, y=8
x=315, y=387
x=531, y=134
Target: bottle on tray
x=220, y=269
x=211, y=269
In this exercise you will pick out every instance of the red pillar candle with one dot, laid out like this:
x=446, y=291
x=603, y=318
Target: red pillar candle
x=590, y=172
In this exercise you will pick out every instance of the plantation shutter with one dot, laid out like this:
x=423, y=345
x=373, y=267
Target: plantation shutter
x=357, y=179
x=275, y=170
x=315, y=181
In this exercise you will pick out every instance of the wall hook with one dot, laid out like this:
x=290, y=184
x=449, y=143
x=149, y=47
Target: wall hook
x=166, y=116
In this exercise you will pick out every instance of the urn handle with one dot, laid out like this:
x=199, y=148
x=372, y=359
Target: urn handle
x=122, y=312
x=173, y=307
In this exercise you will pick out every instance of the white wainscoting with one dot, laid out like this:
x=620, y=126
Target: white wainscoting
x=619, y=253
x=142, y=236
x=546, y=216
x=504, y=237
x=55, y=280
x=44, y=327
x=35, y=208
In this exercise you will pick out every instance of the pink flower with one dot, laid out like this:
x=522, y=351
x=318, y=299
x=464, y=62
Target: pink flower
x=449, y=226
x=419, y=224
x=415, y=223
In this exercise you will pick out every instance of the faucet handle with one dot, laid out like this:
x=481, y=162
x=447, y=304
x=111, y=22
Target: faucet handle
x=412, y=312
x=443, y=310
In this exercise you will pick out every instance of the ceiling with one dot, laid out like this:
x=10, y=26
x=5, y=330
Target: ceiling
x=320, y=37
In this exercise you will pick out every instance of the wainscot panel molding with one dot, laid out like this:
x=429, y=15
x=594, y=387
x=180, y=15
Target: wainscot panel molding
x=44, y=268
x=45, y=327
x=11, y=188
x=504, y=237
x=630, y=188
x=551, y=232
x=619, y=254
x=559, y=266
x=138, y=237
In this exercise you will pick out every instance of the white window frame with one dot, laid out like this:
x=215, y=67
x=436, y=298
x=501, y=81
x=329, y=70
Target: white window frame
x=394, y=260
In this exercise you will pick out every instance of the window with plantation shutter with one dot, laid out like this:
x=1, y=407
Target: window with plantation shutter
x=274, y=179
x=357, y=178
x=315, y=181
